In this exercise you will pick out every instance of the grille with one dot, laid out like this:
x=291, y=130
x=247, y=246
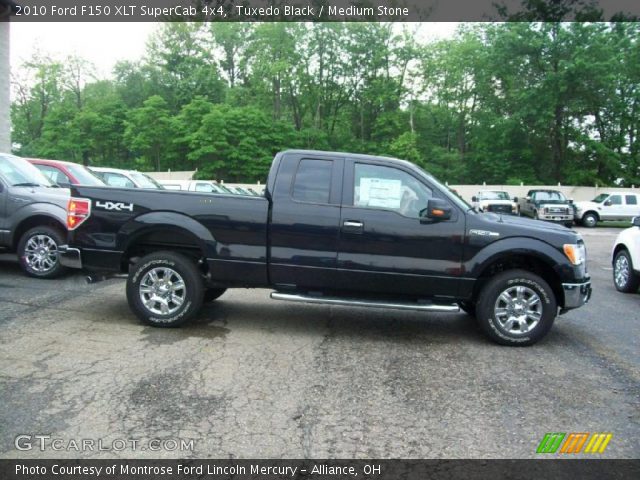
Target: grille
x=562, y=210
x=499, y=208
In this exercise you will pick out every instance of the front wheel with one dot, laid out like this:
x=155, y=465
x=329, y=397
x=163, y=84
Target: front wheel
x=590, y=220
x=38, y=252
x=165, y=289
x=624, y=278
x=516, y=308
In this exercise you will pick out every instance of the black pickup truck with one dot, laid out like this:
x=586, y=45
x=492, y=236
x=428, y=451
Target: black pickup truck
x=332, y=228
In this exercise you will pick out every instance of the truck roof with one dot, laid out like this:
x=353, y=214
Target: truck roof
x=362, y=156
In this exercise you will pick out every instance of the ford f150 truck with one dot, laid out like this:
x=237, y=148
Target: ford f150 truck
x=337, y=229
x=549, y=205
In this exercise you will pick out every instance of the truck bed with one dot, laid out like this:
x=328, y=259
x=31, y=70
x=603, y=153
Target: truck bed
x=231, y=230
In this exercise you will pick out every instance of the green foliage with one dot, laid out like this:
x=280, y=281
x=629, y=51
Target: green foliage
x=497, y=103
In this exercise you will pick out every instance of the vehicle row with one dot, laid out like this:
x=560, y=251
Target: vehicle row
x=554, y=206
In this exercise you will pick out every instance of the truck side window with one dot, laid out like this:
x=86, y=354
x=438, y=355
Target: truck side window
x=313, y=181
x=388, y=188
x=204, y=187
x=631, y=199
x=117, y=180
x=615, y=200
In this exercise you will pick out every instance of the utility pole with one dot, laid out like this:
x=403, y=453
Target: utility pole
x=6, y=8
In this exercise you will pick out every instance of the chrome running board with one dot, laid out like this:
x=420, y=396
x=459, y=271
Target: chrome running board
x=348, y=302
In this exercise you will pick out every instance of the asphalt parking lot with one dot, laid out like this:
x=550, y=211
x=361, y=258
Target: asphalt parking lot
x=255, y=378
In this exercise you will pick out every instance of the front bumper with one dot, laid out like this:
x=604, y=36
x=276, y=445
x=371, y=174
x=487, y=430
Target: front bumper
x=69, y=257
x=576, y=294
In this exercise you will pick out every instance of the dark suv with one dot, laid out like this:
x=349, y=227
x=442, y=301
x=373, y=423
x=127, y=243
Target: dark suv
x=32, y=217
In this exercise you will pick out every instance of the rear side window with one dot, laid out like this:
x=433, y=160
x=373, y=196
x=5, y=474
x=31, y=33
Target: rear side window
x=313, y=181
x=54, y=174
x=631, y=199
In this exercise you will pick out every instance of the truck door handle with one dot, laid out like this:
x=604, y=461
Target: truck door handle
x=353, y=226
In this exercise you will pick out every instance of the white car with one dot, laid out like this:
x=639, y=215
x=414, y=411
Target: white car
x=626, y=259
x=608, y=206
x=116, y=177
x=202, y=186
x=494, y=201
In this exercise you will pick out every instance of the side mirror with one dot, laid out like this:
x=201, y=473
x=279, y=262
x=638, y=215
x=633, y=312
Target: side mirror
x=571, y=200
x=636, y=221
x=607, y=203
x=515, y=199
x=474, y=199
x=437, y=209
x=528, y=199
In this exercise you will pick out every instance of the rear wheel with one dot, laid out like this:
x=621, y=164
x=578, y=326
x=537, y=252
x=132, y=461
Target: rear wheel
x=589, y=220
x=38, y=252
x=516, y=308
x=624, y=278
x=165, y=289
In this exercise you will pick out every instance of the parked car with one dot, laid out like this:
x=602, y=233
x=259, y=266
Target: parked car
x=549, y=205
x=625, y=258
x=606, y=207
x=32, y=217
x=496, y=201
x=202, y=186
x=116, y=177
x=65, y=174
x=336, y=229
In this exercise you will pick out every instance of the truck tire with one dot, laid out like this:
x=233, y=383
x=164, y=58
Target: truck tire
x=165, y=289
x=624, y=278
x=211, y=294
x=589, y=220
x=38, y=252
x=516, y=308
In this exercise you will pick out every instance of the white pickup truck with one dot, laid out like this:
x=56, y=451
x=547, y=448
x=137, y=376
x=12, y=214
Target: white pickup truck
x=614, y=206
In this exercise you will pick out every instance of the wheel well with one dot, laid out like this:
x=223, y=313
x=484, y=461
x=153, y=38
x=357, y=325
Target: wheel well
x=528, y=263
x=619, y=247
x=36, y=221
x=592, y=212
x=175, y=240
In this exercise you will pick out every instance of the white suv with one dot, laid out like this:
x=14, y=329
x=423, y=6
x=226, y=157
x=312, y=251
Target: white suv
x=626, y=259
x=608, y=206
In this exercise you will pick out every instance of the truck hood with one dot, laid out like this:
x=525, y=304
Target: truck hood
x=496, y=202
x=512, y=226
x=30, y=195
x=552, y=202
x=586, y=204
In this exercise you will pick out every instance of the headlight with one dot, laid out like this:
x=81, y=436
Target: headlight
x=575, y=252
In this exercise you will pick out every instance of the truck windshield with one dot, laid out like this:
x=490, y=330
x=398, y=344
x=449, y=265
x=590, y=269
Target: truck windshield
x=84, y=176
x=19, y=172
x=145, y=181
x=494, y=196
x=600, y=198
x=459, y=201
x=549, y=196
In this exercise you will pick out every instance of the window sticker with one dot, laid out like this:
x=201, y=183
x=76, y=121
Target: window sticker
x=380, y=192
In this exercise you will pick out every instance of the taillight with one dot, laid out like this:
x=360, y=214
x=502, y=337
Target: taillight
x=78, y=210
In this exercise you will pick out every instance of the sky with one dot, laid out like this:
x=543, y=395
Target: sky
x=104, y=44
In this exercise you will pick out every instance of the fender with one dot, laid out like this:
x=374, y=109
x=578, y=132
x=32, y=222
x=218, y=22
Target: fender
x=50, y=210
x=525, y=246
x=164, y=220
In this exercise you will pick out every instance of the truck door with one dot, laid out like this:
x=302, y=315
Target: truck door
x=385, y=246
x=305, y=220
x=632, y=209
x=612, y=208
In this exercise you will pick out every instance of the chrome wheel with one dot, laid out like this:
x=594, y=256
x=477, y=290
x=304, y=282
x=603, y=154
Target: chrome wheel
x=41, y=253
x=621, y=271
x=162, y=291
x=518, y=310
x=589, y=220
